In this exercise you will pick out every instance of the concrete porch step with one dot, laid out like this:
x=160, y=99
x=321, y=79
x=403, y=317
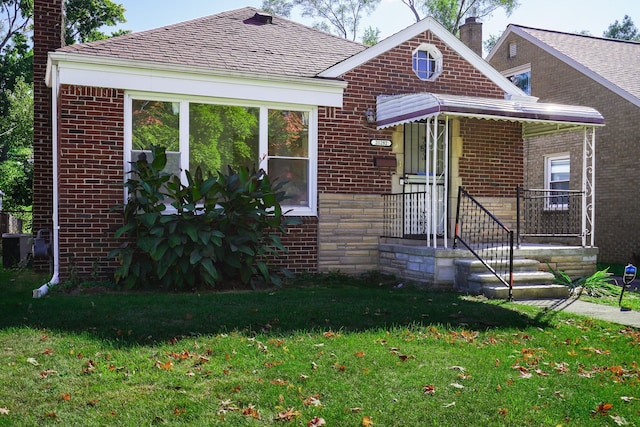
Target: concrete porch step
x=474, y=265
x=526, y=292
x=530, y=285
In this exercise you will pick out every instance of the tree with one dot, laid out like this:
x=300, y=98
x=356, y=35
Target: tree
x=623, y=31
x=84, y=18
x=371, y=36
x=450, y=13
x=341, y=17
x=278, y=7
x=16, y=138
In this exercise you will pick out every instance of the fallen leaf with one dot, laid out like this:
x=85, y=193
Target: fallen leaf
x=456, y=385
x=51, y=414
x=287, y=415
x=619, y=420
x=602, y=409
x=65, y=396
x=429, y=389
x=33, y=361
x=456, y=368
x=316, y=422
x=628, y=399
x=4, y=411
x=367, y=421
x=359, y=353
x=449, y=405
x=503, y=411
x=312, y=401
x=179, y=411
x=166, y=366
x=251, y=411
x=355, y=410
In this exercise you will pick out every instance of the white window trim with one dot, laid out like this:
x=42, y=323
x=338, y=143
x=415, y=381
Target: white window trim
x=291, y=210
x=547, y=179
x=437, y=56
x=521, y=69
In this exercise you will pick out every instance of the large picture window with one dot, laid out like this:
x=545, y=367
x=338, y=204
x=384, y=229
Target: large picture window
x=215, y=136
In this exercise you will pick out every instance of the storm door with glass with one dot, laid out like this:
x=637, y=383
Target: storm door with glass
x=425, y=170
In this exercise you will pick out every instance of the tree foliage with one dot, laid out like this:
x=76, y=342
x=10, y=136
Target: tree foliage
x=624, y=30
x=341, y=17
x=84, y=18
x=451, y=13
x=16, y=138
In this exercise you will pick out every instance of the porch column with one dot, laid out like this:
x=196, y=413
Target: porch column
x=437, y=138
x=588, y=185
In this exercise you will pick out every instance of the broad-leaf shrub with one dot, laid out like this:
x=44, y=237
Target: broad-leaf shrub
x=219, y=228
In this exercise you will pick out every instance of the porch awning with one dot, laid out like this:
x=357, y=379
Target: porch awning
x=538, y=118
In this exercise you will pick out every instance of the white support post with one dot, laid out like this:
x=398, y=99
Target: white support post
x=588, y=186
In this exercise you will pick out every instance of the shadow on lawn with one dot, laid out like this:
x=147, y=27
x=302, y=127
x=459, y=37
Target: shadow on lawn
x=142, y=318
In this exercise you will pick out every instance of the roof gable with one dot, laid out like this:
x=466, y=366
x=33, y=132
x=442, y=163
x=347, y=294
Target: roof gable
x=427, y=24
x=232, y=41
x=610, y=62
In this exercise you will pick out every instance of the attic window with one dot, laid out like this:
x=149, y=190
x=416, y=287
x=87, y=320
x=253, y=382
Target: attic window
x=513, y=49
x=427, y=62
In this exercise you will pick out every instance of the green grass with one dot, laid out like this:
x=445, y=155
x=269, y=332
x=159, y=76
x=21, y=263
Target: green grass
x=332, y=347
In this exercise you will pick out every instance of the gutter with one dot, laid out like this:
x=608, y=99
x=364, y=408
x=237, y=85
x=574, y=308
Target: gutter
x=55, y=279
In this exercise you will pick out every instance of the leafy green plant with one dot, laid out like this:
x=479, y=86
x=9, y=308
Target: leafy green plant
x=215, y=228
x=596, y=285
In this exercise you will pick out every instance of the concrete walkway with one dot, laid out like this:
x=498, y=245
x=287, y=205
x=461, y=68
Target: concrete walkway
x=597, y=311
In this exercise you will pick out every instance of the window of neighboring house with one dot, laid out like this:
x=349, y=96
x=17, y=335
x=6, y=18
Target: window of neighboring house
x=427, y=62
x=214, y=136
x=557, y=175
x=521, y=77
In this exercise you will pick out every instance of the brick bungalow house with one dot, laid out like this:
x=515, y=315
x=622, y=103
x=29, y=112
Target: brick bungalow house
x=601, y=73
x=418, y=112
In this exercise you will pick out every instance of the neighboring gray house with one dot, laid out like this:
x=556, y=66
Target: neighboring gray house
x=599, y=73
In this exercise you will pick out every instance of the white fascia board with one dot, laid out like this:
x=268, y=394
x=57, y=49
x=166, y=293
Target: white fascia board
x=572, y=63
x=427, y=24
x=83, y=70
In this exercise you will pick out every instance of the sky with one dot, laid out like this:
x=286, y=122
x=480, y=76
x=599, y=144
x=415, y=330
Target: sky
x=391, y=16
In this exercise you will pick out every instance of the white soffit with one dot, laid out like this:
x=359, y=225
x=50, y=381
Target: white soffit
x=162, y=78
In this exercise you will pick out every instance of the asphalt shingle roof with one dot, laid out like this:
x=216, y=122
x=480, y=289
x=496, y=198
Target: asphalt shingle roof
x=231, y=41
x=617, y=61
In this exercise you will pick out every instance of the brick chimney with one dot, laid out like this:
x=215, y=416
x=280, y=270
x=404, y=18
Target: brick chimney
x=48, y=35
x=471, y=35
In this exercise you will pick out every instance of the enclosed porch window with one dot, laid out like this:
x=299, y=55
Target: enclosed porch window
x=215, y=136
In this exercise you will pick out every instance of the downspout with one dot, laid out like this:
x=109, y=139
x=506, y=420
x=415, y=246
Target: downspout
x=55, y=279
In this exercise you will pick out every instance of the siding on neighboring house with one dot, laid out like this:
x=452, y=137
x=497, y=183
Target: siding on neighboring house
x=617, y=231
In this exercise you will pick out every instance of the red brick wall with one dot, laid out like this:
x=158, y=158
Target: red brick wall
x=345, y=156
x=90, y=179
x=48, y=31
x=302, y=242
x=492, y=157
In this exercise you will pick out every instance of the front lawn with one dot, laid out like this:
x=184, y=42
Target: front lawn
x=328, y=348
